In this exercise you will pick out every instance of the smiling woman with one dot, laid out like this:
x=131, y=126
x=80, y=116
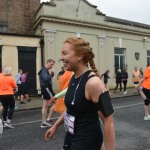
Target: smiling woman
x=82, y=100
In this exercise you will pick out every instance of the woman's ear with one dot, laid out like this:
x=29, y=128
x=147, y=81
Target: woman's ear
x=80, y=57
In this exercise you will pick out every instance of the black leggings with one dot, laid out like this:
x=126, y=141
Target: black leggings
x=67, y=142
x=8, y=103
x=19, y=90
x=147, y=93
x=118, y=83
x=125, y=84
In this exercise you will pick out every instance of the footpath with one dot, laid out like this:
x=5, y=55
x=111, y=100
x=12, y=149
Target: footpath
x=36, y=102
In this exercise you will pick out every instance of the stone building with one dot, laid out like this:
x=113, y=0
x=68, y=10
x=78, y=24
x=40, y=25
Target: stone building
x=117, y=43
x=31, y=33
x=19, y=46
x=17, y=16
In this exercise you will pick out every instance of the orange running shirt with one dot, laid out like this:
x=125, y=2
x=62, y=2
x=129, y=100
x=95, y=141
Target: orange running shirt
x=7, y=83
x=146, y=83
x=136, y=76
x=63, y=84
x=1, y=74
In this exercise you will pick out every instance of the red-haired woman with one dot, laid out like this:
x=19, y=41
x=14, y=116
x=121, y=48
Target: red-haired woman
x=84, y=101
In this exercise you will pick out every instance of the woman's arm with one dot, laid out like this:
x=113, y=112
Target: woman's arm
x=61, y=94
x=94, y=88
x=109, y=131
x=50, y=132
x=58, y=95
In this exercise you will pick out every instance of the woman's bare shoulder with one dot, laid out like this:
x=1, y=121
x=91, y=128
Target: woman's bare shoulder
x=94, y=81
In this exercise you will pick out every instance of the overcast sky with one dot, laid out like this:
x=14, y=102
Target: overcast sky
x=133, y=10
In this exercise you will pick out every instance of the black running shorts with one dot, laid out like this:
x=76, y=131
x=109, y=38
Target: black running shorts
x=47, y=92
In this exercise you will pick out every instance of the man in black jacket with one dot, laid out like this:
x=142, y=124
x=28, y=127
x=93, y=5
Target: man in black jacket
x=45, y=77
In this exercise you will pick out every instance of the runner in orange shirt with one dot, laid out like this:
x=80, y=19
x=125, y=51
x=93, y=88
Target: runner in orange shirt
x=1, y=107
x=7, y=87
x=63, y=82
x=136, y=78
x=145, y=83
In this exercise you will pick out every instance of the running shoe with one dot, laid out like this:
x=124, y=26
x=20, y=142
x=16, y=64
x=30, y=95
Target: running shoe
x=45, y=125
x=4, y=123
x=147, y=117
x=16, y=107
x=125, y=92
x=22, y=102
x=9, y=125
x=29, y=100
x=136, y=92
x=49, y=121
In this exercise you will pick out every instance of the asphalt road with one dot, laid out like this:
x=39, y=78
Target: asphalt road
x=132, y=132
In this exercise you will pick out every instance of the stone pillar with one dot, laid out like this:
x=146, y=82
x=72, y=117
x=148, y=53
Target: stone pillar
x=50, y=50
x=101, y=42
x=50, y=41
x=1, y=43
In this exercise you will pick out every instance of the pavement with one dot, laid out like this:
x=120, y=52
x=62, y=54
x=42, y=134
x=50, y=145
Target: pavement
x=36, y=102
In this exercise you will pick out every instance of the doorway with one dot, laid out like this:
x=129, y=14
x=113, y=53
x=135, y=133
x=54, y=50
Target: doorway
x=27, y=62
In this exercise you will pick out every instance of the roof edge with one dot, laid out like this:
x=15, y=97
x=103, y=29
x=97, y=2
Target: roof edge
x=126, y=22
x=22, y=35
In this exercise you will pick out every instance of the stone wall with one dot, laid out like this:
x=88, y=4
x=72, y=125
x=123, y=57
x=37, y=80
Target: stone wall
x=3, y=12
x=18, y=15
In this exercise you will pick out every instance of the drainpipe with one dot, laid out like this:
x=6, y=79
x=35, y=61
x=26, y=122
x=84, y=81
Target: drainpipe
x=42, y=51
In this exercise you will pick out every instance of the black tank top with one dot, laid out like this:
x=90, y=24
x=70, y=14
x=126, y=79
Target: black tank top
x=75, y=95
x=87, y=125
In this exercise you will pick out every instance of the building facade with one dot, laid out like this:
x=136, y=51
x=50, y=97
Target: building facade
x=18, y=16
x=116, y=43
x=31, y=33
x=22, y=52
x=19, y=47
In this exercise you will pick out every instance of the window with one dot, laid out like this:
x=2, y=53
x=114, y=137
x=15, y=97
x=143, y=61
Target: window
x=120, y=58
x=148, y=58
x=3, y=27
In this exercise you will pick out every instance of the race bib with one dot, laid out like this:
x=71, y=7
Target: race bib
x=69, y=123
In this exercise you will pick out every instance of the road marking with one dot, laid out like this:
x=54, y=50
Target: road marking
x=127, y=106
x=23, y=123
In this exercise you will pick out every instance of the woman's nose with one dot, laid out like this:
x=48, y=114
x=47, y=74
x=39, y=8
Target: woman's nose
x=61, y=58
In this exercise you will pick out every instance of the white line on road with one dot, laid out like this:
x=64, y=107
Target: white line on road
x=23, y=123
x=127, y=106
x=31, y=122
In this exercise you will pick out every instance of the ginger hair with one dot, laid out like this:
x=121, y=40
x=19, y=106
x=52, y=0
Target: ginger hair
x=82, y=47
